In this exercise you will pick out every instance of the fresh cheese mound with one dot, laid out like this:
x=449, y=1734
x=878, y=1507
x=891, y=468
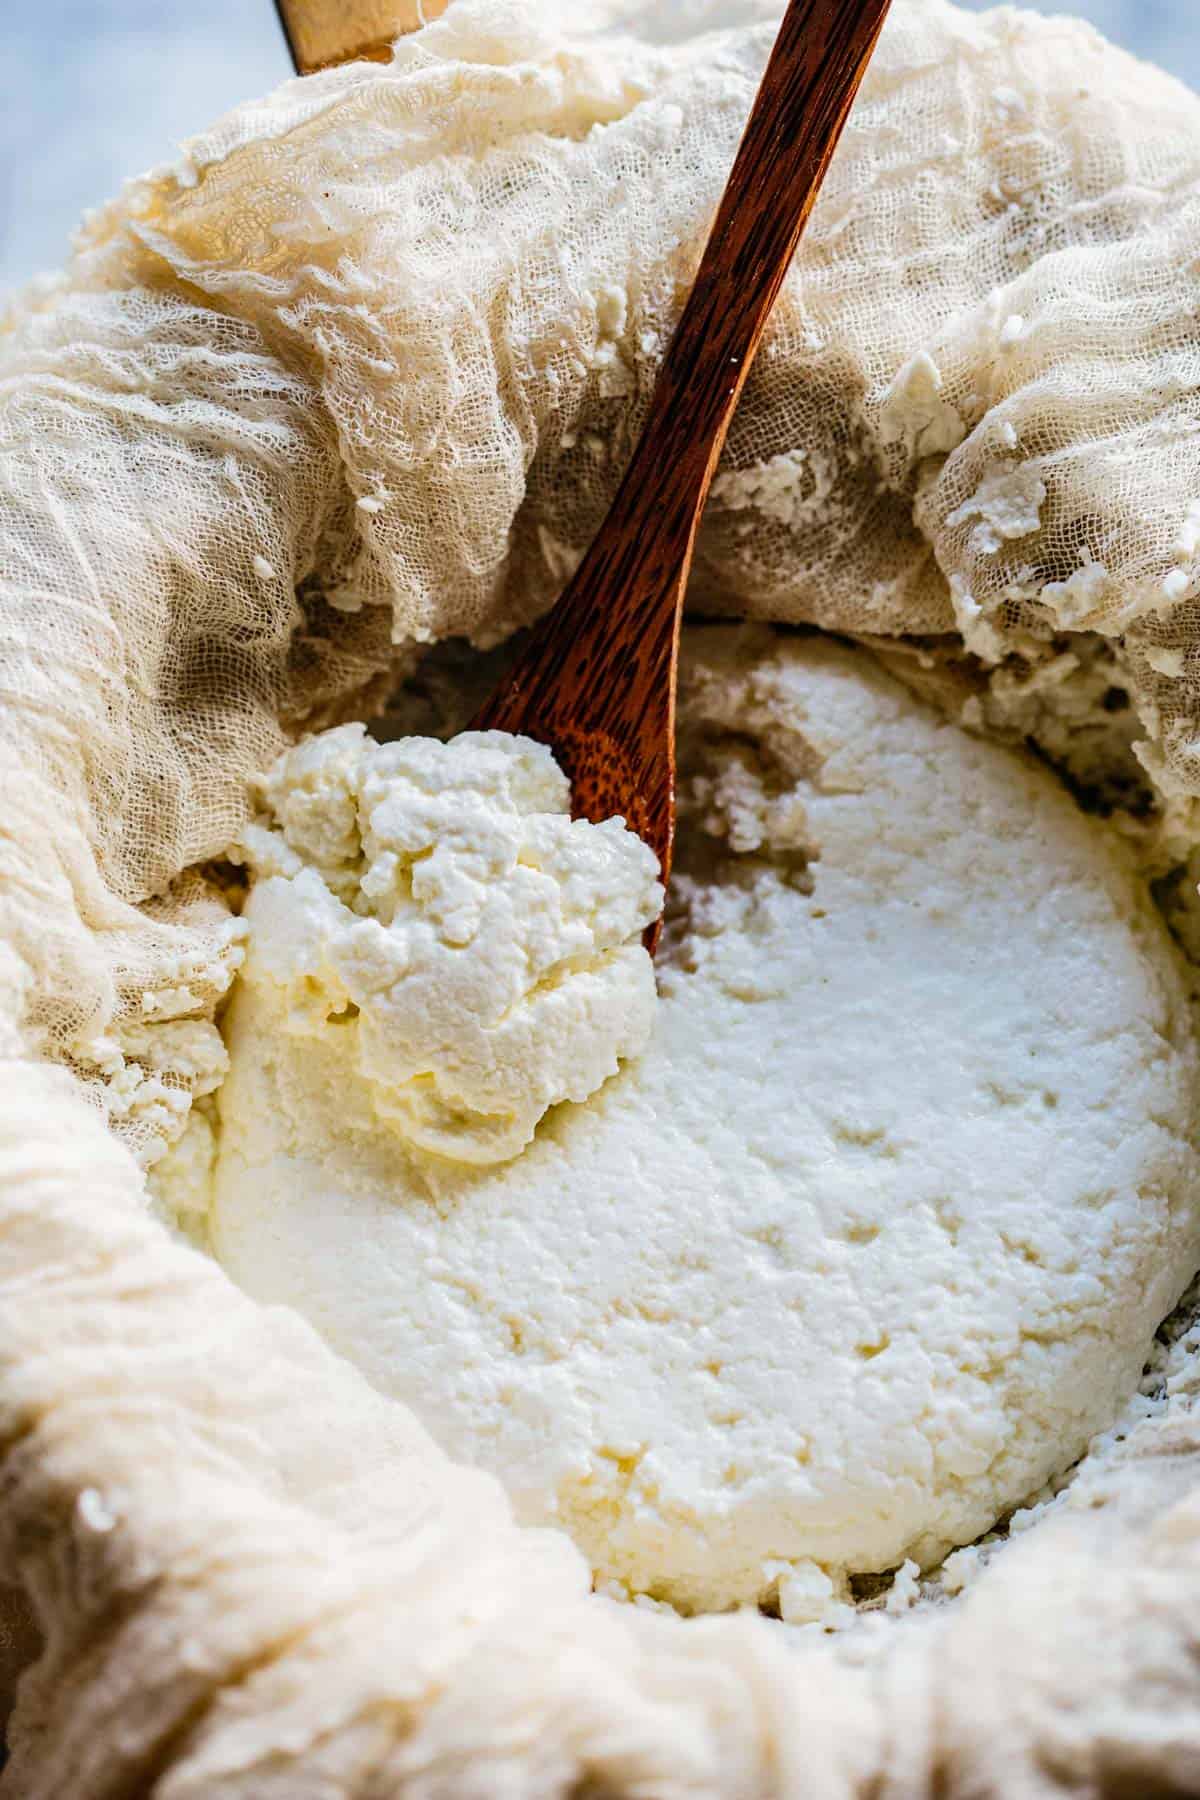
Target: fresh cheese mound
x=432, y=913
x=863, y=1247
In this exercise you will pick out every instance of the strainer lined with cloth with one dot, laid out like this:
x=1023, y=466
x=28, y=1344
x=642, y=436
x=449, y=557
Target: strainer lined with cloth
x=362, y=372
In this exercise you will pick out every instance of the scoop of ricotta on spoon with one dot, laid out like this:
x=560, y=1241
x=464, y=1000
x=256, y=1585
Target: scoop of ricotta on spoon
x=839, y=1262
x=473, y=948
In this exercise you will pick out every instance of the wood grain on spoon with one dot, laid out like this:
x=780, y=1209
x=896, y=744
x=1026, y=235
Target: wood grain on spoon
x=321, y=33
x=596, y=681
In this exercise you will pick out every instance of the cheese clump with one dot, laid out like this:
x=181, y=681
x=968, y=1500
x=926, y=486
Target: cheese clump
x=474, y=950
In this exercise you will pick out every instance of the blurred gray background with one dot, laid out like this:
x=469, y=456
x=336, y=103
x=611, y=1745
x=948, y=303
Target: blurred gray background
x=94, y=90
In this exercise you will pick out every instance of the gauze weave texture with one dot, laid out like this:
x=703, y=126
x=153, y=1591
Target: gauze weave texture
x=362, y=371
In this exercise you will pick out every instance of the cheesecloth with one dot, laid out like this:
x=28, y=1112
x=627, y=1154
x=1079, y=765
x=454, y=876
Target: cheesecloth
x=361, y=372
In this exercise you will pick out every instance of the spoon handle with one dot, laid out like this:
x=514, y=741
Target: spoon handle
x=818, y=61
x=322, y=33
x=597, y=677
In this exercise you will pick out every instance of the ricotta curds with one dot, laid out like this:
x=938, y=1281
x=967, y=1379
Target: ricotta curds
x=819, y=1263
x=472, y=949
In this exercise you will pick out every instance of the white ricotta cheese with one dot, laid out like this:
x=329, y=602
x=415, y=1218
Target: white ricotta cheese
x=1007, y=504
x=432, y=912
x=869, y=1240
x=915, y=411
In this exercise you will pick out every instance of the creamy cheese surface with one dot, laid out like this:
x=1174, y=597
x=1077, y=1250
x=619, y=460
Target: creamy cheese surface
x=824, y=1261
x=473, y=950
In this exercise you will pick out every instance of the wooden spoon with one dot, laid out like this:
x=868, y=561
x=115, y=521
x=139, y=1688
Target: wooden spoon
x=596, y=681
x=322, y=33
